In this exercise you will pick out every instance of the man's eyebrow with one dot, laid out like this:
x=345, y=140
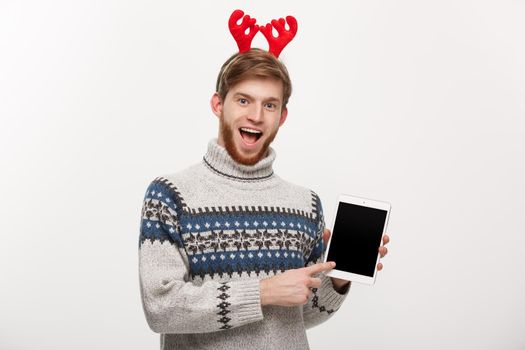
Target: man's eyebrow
x=243, y=95
x=274, y=99
x=269, y=99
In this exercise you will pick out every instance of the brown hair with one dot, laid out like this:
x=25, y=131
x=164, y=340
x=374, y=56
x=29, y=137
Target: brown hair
x=255, y=63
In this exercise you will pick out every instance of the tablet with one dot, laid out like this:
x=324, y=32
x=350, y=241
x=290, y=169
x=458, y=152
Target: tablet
x=357, y=233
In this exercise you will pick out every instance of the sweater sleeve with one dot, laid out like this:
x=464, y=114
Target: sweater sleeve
x=325, y=299
x=172, y=303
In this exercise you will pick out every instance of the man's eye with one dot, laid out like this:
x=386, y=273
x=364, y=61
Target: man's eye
x=243, y=101
x=270, y=106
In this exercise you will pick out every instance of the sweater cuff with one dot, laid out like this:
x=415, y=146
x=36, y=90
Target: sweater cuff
x=247, y=300
x=332, y=299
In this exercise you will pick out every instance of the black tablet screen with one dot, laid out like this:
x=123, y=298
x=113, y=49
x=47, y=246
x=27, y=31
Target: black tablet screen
x=356, y=236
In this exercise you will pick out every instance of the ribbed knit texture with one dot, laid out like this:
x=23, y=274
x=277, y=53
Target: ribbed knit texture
x=208, y=235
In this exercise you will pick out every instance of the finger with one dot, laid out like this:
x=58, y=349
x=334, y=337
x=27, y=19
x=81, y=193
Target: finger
x=386, y=239
x=326, y=236
x=314, y=282
x=310, y=294
x=383, y=251
x=320, y=267
x=379, y=267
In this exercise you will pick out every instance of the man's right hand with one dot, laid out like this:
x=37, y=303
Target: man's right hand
x=292, y=287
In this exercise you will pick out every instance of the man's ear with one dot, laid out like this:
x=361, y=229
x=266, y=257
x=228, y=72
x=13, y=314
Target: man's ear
x=216, y=104
x=284, y=114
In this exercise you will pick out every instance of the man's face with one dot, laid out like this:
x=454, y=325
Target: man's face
x=249, y=118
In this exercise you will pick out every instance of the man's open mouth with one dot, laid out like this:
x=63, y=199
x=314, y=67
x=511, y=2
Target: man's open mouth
x=250, y=135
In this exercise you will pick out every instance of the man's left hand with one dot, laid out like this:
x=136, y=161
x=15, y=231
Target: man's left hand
x=340, y=284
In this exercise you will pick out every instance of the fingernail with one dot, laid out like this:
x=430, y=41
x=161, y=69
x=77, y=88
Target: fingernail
x=332, y=264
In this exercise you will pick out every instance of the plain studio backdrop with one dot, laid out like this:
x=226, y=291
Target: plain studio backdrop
x=417, y=103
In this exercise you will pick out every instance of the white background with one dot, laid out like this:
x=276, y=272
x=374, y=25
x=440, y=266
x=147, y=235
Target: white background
x=413, y=102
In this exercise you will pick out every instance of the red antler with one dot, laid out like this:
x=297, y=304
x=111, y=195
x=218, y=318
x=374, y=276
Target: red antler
x=239, y=30
x=278, y=43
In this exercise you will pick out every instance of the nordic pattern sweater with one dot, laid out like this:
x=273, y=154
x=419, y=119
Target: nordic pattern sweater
x=208, y=235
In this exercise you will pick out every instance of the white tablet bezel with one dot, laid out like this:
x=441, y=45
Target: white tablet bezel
x=365, y=202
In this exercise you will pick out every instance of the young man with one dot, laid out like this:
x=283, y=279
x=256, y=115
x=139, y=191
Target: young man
x=230, y=253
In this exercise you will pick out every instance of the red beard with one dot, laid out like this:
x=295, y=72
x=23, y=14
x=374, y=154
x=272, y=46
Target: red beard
x=227, y=135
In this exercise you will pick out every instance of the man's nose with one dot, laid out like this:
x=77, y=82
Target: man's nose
x=256, y=113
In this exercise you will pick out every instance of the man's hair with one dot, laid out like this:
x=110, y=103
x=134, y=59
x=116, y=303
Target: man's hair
x=255, y=63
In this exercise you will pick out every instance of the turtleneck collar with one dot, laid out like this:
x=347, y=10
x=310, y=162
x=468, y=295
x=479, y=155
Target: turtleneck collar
x=220, y=161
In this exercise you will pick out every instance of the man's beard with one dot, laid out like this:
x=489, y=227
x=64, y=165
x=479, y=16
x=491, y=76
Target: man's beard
x=227, y=135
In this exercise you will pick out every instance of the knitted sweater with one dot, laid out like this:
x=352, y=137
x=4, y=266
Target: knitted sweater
x=208, y=235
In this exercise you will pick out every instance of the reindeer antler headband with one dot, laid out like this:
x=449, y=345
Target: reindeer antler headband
x=276, y=44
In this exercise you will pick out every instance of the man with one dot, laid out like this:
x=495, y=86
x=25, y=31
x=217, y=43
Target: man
x=230, y=253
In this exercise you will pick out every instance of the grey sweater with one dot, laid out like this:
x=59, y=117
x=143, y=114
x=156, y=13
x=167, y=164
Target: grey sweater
x=208, y=235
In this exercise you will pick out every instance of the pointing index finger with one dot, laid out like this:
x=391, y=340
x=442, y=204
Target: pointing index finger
x=320, y=267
